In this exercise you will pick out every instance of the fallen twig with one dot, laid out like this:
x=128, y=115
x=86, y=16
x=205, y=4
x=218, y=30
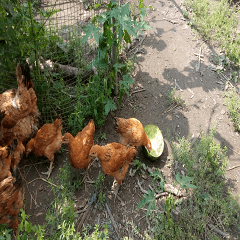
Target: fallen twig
x=199, y=60
x=225, y=78
x=197, y=54
x=159, y=194
x=234, y=151
x=140, y=90
x=84, y=210
x=146, y=192
x=138, y=44
x=83, y=219
x=191, y=92
x=171, y=21
x=32, y=198
x=178, y=86
x=167, y=187
x=61, y=187
x=33, y=164
x=112, y=219
x=233, y=167
x=217, y=230
x=170, y=108
x=142, y=190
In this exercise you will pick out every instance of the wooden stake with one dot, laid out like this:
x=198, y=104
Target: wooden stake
x=112, y=219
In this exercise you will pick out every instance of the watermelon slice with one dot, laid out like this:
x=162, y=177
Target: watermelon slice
x=156, y=138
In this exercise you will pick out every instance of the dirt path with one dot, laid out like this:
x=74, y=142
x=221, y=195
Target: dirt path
x=169, y=57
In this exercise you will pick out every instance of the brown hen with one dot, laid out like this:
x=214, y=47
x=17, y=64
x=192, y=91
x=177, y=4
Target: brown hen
x=18, y=109
x=5, y=162
x=79, y=147
x=11, y=200
x=114, y=158
x=132, y=132
x=47, y=142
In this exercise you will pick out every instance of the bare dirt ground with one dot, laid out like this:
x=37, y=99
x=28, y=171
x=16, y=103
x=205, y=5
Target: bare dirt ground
x=169, y=59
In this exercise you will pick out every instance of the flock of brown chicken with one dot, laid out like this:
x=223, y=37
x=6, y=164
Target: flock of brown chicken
x=19, y=116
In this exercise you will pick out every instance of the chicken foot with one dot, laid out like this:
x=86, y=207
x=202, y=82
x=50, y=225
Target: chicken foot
x=49, y=170
x=115, y=188
x=118, y=178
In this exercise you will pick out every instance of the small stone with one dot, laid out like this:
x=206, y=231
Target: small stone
x=144, y=176
x=223, y=112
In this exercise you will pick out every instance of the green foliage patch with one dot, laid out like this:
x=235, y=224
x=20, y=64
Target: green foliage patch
x=217, y=21
x=233, y=105
x=210, y=202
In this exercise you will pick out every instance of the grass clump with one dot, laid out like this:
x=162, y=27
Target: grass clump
x=210, y=204
x=173, y=100
x=216, y=21
x=232, y=103
x=60, y=217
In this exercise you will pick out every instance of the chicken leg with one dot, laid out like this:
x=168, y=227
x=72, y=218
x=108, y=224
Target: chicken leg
x=49, y=170
x=118, y=178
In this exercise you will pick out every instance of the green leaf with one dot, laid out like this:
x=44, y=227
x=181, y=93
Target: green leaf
x=127, y=81
x=156, y=175
x=127, y=37
x=91, y=31
x=110, y=105
x=185, y=181
x=148, y=199
x=125, y=9
x=118, y=66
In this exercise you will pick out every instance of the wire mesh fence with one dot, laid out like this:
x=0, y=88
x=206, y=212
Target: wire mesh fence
x=47, y=34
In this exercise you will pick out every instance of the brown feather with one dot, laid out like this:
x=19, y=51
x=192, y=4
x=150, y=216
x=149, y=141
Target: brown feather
x=11, y=200
x=132, y=132
x=47, y=141
x=79, y=147
x=113, y=157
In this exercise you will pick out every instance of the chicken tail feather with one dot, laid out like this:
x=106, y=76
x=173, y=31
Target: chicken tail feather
x=132, y=151
x=23, y=75
x=58, y=123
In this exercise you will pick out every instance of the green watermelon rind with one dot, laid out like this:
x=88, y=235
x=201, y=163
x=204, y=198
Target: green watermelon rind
x=155, y=135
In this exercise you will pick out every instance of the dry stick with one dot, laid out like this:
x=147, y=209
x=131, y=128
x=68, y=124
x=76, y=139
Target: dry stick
x=171, y=21
x=178, y=86
x=83, y=219
x=168, y=189
x=140, y=90
x=226, y=79
x=84, y=210
x=215, y=229
x=112, y=219
x=197, y=54
x=170, y=108
x=142, y=190
x=199, y=60
x=141, y=218
x=233, y=167
x=28, y=188
x=158, y=195
x=45, y=181
x=37, y=172
x=33, y=164
x=36, y=193
x=234, y=151
x=140, y=42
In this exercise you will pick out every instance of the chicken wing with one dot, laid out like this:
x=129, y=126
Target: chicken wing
x=79, y=147
x=114, y=158
x=47, y=142
x=132, y=132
